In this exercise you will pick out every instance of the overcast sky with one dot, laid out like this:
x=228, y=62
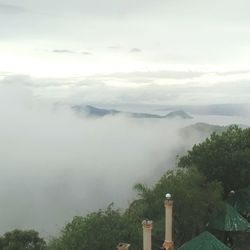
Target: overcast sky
x=116, y=53
x=147, y=51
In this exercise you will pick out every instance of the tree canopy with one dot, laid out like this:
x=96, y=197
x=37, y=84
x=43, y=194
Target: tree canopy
x=98, y=230
x=190, y=196
x=105, y=228
x=223, y=157
x=21, y=240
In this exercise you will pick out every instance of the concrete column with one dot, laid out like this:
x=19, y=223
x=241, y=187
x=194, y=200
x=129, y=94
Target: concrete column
x=123, y=246
x=147, y=227
x=168, y=243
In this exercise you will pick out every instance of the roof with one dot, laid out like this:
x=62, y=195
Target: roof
x=229, y=220
x=204, y=241
x=240, y=200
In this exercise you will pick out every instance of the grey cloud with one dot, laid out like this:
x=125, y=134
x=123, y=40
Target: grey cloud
x=66, y=51
x=135, y=50
x=186, y=88
x=109, y=7
x=160, y=74
x=185, y=93
x=149, y=94
x=11, y=9
x=5, y=73
x=28, y=81
x=91, y=82
x=237, y=88
x=22, y=80
x=87, y=53
x=57, y=83
x=235, y=72
x=63, y=51
x=228, y=28
x=114, y=47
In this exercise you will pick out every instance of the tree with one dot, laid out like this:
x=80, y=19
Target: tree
x=98, y=230
x=21, y=240
x=223, y=157
x=191, y=198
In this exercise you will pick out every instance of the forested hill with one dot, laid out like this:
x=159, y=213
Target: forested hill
x=203, y=130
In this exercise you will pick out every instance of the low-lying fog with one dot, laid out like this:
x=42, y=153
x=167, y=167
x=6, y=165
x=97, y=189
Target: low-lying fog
x=55, y=164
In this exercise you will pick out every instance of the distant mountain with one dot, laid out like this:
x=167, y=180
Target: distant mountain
x=207, y=129
x=93, y=111
x=198, y=132
x=178, y=114
x=215, y=109
x=100, y=112
x=202, y=129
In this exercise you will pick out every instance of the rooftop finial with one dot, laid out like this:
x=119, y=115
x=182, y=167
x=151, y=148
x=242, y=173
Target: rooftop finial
x=168, y=196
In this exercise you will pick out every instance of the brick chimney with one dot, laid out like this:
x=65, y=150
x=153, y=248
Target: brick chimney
x=147, y=227
x=123, y=246
x=168, y=243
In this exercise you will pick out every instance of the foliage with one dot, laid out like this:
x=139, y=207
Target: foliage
x=98, y=230
x=223, y=157
x=191, y=197
x=21, y=240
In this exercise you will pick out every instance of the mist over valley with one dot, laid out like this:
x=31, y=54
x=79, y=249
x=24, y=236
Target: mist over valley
x=56, y=164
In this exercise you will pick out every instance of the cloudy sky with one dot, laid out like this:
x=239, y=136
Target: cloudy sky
x=116, y=53
x=126, y=51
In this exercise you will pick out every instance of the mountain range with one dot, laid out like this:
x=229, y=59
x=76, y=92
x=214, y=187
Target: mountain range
x=100, y=112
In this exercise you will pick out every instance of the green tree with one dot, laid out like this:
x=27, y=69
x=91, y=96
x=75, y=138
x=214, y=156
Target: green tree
x=191, y=198
x=98, y=230
x=223, y=157
x=21, y=240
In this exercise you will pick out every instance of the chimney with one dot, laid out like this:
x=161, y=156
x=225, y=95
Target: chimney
x=147, y=227
x=168, y=243
x=123, y=246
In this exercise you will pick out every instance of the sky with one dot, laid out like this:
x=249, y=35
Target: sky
x=158, y=52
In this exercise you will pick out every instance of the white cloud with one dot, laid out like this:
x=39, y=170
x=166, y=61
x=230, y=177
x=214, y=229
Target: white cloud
x=155, y=88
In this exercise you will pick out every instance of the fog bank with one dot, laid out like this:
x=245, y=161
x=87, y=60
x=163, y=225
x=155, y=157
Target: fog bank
x=55, y=164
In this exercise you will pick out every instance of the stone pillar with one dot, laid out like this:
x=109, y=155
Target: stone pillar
x=123, y=246
x=168, y=243
x=147, y=227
